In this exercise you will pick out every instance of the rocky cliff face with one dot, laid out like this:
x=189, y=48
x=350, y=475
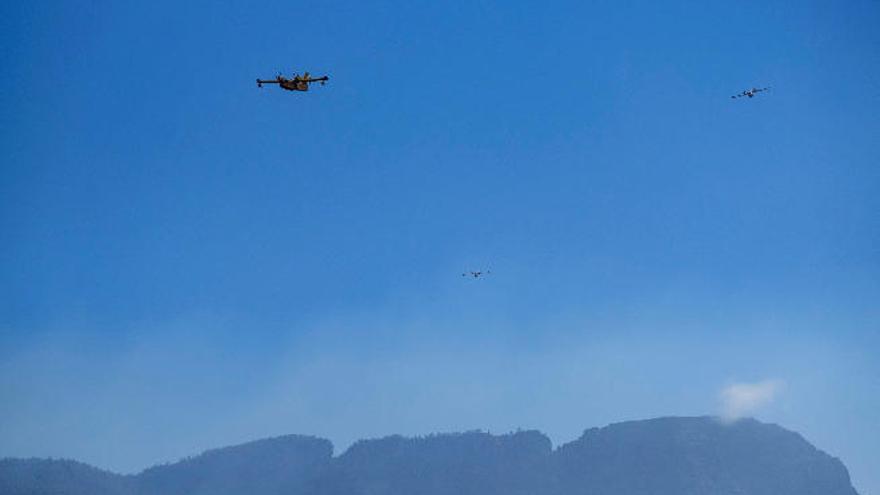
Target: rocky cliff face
x=667, y=456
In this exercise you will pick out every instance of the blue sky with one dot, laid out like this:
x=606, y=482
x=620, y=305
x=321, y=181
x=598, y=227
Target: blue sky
x=187, y=261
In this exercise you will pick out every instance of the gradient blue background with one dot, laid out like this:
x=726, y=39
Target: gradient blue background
x=187, y=261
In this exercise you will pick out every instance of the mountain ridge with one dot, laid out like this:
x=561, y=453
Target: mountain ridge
x=669, y=455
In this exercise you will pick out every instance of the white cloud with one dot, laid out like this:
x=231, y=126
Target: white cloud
x=744, y=399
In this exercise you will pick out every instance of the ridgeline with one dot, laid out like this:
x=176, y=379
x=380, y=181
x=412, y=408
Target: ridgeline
x=666, y=456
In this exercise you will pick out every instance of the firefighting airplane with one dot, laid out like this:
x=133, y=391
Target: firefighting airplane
x=750, y=92
x=298, y=83
x=476, y=274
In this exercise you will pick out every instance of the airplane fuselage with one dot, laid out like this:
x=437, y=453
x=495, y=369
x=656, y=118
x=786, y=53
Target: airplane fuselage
x=294, y=85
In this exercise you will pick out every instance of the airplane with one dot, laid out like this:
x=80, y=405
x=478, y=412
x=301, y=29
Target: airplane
x=750, y=92
x=298, y=83
x=476, y=274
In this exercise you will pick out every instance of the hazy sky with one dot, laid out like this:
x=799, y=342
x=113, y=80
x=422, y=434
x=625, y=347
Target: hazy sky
x=187, y=261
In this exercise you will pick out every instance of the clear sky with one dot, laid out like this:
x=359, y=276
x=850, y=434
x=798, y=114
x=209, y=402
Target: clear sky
x=187, y=261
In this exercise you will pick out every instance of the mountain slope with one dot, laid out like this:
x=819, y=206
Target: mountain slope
x=686, y=456
x=276, y=465
x=59, y=477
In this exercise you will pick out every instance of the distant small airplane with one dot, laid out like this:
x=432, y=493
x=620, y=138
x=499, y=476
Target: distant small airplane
x=298, y=83
x=476, y=274
x=750, y=92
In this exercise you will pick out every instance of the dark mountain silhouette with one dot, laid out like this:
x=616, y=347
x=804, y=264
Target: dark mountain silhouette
x=462, y=463
x=667, y=456
x=686, y=456
x=57, y=477
x=277, y=465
